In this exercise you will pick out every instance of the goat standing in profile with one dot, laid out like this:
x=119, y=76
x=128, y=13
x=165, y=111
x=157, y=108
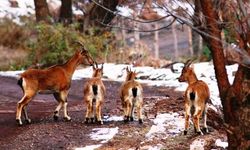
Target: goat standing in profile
x=131, y=95
x=54, y=80
x=94, y=92
x=196, y=97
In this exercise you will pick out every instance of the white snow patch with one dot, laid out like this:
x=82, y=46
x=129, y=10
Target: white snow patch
x=89, y=147
x=167, y=124
x=14, y=74
x=113, y=118
x=124, y=11
x=198, y=144
x=25, y=8
x=103, y=134
x=150, y=147
x=220, y=143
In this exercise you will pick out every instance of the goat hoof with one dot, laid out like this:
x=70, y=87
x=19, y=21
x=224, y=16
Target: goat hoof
x=67, y=118
x=92, y=120
x=131, y=118
x=19, y=122
x=140, y=121
x=28, y=121
x=86, y=120
x=126, y=119
x=55, y=117
x=205, y=130
x=185, y=132
x=100, y=122
x=199, y=133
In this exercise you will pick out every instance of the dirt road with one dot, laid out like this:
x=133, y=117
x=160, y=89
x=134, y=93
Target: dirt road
x=45, y=133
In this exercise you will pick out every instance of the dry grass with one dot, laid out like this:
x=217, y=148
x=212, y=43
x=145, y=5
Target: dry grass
x=11, y=57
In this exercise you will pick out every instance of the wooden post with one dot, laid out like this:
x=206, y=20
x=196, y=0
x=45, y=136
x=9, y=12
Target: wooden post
x=136, y=36
x=156, y=41
x=190, y=42
x=123, y=35
x=176, y=53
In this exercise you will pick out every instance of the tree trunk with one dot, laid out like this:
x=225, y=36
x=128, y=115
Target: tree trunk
x=236, y=98
x=66, y=12
x=42, y=11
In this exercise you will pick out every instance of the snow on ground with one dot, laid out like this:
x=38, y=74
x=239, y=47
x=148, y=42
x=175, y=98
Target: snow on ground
x=220, y=143
x=27, y=8
x=165, y=125
x=103, y=135
x=198, y=144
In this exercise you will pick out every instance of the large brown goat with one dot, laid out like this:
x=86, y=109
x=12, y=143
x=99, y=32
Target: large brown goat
x=131, y=94
x=94, y=92
x=196, y=97
x=54, y=80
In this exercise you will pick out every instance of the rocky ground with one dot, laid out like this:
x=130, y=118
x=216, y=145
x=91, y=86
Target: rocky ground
x=45, y=133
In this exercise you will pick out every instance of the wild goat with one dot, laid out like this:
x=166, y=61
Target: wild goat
x=196, y=97
x=54, y=80
x=131, y=95
x=94, y=92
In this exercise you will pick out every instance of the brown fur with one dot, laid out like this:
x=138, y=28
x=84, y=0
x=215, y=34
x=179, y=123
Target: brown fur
x=129, y=101
x=196, y=97
x=90, y=97
x=54, y=80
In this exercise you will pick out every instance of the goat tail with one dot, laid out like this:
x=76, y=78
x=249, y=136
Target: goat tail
x=192, y=95
x=134, y=91
x=20, y=83
x=95, y=89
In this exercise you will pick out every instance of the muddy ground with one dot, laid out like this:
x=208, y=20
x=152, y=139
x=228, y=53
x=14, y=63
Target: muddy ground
x=45, y=133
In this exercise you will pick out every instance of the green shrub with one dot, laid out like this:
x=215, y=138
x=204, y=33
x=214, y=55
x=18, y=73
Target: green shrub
x=54, y=44
x=48, y=44
x=207, y=53
x=51, y=45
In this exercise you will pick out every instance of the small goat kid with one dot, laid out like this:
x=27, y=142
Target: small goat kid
x=54, y=80
x=94, y=92
x=196, y=97
x=131, y=95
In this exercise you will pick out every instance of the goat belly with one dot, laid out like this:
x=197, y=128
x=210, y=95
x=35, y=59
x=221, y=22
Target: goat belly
x=47, y=91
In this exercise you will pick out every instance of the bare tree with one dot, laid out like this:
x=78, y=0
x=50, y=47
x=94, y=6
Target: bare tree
x=42, y=11
x=235, y=98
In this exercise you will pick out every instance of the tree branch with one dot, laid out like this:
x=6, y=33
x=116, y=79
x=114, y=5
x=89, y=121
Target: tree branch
x=136, y=20
x=129, y=29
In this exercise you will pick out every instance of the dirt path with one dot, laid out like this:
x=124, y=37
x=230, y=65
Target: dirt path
x=45, y=133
